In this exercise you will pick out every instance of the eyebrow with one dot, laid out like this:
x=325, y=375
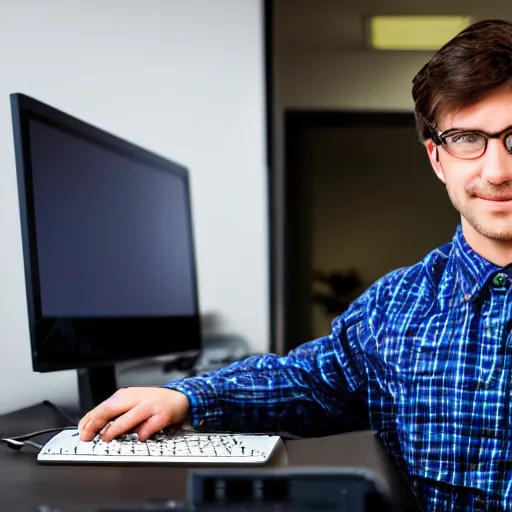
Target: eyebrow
x=449, y=130
x=463, y=129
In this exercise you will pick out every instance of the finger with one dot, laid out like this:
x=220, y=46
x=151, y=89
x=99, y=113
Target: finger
x=151, y=425
x=126, y=422
x=103, y=409
x=99, y=417
x=85, y=420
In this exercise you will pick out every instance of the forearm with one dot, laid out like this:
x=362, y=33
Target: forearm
x=303, y=393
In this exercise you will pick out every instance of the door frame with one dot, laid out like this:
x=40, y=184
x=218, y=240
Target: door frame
x=295, y=279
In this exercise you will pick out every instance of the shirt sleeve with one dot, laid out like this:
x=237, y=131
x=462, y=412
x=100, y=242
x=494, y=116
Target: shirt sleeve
x=308, y=391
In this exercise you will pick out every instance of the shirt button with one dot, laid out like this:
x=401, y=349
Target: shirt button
x=499, y=280
x=487, y=432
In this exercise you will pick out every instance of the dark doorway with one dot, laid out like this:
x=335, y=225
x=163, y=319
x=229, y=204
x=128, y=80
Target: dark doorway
x=360, y=201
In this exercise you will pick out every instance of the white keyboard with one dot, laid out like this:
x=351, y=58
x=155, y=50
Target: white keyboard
x=183, y=447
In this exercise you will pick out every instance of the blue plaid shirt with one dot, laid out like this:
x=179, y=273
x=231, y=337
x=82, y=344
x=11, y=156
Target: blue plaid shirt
x=423, y=357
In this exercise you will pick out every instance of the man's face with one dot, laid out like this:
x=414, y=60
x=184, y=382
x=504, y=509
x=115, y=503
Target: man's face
x=480, y=189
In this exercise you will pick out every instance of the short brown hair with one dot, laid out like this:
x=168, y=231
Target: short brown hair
x=473, y=64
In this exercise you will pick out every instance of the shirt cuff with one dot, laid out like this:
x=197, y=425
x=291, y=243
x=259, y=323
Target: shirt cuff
x=204, y=413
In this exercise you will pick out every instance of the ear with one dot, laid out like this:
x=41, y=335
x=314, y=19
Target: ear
x=433, y=156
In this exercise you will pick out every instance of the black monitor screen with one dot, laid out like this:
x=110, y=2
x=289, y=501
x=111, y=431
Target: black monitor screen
x=112, y=232
x=107, y=241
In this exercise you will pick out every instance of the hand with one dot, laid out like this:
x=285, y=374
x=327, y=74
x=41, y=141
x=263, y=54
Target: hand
x=141, y=410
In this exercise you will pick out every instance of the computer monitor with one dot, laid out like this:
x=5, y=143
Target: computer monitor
x=108, y=249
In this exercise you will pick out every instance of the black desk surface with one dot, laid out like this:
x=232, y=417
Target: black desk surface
x=26, y=485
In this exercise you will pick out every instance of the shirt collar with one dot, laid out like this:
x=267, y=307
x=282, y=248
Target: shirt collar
x=474, y=271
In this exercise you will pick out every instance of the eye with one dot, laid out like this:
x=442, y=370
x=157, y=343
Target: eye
x=508, y=142
x=464, y=138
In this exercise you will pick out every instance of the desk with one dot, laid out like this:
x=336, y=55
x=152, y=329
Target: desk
x=26, y=485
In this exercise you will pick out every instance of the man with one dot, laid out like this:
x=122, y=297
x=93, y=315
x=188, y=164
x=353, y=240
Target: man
x=428, y=348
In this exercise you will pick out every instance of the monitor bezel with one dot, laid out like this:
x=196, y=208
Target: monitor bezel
x=133, y=329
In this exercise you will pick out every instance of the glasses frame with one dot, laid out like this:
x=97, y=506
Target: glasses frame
x=439, y=139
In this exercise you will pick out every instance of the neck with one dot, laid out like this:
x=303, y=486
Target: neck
x=498, y=252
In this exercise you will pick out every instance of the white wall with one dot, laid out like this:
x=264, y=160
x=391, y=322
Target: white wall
x=356, y=79
x=183, y=78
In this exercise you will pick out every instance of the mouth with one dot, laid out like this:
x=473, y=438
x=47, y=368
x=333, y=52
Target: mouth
x=496, y=199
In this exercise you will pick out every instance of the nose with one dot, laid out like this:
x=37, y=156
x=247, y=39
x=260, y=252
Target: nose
x=497, y=165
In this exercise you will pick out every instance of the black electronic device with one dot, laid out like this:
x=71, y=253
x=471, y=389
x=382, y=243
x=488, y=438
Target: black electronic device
x=297, y=489
x=108, y=248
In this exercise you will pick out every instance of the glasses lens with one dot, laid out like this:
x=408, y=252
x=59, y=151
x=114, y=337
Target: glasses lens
x=465, y=144
x=508, y=142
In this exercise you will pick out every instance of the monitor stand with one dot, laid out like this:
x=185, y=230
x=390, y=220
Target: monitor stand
x=95, y=385
x=66, y=418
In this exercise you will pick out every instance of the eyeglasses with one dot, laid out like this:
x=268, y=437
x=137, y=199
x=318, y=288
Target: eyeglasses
x=470, y=144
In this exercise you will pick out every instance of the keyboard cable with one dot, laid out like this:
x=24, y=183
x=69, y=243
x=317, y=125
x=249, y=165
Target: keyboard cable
x=17, y=442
